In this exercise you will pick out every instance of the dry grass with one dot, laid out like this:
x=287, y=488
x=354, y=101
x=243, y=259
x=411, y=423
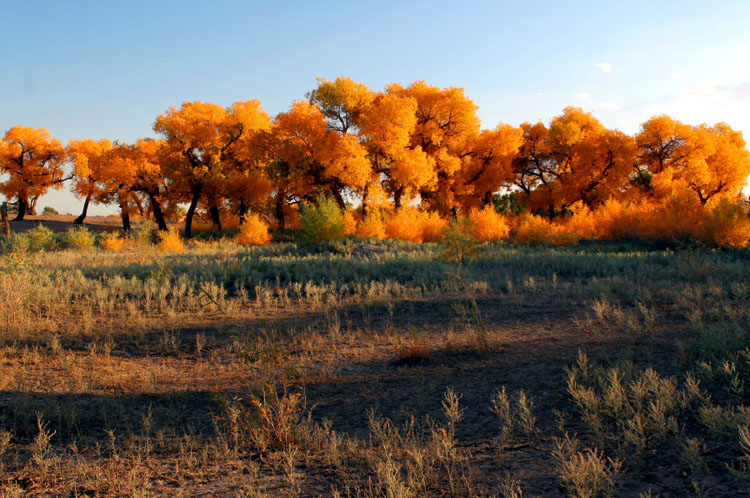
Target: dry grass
x=283, y=371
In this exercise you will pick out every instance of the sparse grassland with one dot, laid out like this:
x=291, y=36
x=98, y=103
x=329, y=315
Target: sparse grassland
x=387, y=370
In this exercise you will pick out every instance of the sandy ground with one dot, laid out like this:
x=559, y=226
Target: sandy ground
x=62, y=222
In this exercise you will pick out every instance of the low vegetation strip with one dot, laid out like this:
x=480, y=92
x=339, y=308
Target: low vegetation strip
x=600, y=369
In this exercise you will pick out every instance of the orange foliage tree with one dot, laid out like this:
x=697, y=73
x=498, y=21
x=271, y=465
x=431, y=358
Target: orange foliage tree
x=246, y=183
x=313, y=160
x=711, y=162
x=89, y=158
x=403, y=144
x=488, y=166
x=134, y=171
x=446, y=124
x=576, y=159
x=400, y=168
x=199, y=138
x=34, y=162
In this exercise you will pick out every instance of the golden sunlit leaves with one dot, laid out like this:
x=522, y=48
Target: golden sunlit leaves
x=400, y=162
x=34, y=162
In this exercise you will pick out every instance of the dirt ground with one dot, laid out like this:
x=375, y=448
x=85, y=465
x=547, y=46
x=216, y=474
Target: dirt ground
x=63, y=222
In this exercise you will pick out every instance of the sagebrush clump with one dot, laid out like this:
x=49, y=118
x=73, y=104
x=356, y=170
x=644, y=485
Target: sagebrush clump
x=170, y=241
x=322, y=222
x=253, y=231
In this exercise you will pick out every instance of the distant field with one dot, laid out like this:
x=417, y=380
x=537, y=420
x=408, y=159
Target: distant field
x=596, y=370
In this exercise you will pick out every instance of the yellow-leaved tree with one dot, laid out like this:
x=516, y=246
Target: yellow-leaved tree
x=446, y=124
x=89, y=158
x=34, y=162
x=312, y=160
x=200, y=139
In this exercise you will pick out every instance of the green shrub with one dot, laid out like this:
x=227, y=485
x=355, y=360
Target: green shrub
x=322, y=223
x=50, y=210
x=457, y=241
x=79, y=238
x=41, y=238
x=15, y=243
x=145, y=233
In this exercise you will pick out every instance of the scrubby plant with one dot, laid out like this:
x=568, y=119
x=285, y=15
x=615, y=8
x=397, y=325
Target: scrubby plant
x=537, y=229
x=414, y=225
x=253, y=231
x=41, y=238
x=112, y=241
x=15, y=243
x=350, y=222
x=170, y=241
x=322, y=221
x=372, y=226
x=144, y=233
x=404, y=224
x=487, y=225
x=79, y=238
x=432, y=226
x=588, y=473
x=50, y=210
x=458, y=241
x=726, y=225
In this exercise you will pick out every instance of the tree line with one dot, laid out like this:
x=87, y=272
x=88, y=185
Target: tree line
x=376, y=149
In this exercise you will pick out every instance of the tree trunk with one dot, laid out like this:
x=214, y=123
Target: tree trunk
x=125, y=215
x=22, y=205
x=191, y=211
x=397, y=198
x=487, y=199
x=79, y=220
x=243, y=210
x=213, y=209
x=158, y=214
x=363, y=205
x=31, y=206
x=280, y=212
x=339, y=198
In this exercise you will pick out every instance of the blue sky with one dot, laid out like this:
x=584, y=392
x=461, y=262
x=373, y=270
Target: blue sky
x=105, y=69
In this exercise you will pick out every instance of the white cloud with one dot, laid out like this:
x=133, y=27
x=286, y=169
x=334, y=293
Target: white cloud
x=610, y=106
x=714, y=91
x=707, y=90
x=742, y=92
x=705, y=102
x=605, y=67
x=582, y=95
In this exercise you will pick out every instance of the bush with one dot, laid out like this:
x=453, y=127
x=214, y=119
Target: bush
x=170, y=241
x=405, y=225
x=41, y=238
x=79, y=238
x=324, y=222
x=16, y=242
x=536, y=229
x=112, y=241
x=533, y=229
x=413, y=225
x=487, y=225
x=372, y=227
x=458, y=242
x=432, y=226
x=350, y=223
x=144, y=233
x=49, y=210
x=726, y=225
x=253, y=231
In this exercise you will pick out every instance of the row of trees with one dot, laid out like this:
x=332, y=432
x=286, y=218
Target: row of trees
x=383, y=149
